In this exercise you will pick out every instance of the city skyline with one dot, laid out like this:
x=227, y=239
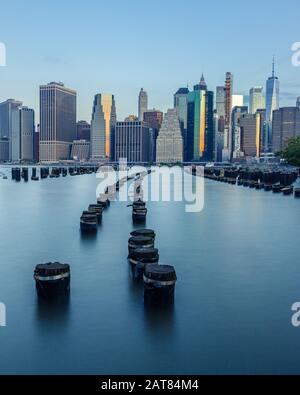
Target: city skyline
x=79, y=63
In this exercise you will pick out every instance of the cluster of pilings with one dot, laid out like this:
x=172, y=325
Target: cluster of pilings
x=270, y=179
x=18, y=173
x=158, y=280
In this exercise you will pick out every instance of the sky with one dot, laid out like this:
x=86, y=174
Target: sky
x=119, y=46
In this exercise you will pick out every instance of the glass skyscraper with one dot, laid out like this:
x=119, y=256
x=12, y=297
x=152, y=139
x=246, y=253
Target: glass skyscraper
x=102, y=126
x=143, y=104
x=272, y=104
x=256, y=99
x=200, y=125
x=57, y=121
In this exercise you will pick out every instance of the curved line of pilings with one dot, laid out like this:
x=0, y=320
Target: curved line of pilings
x=278, y=180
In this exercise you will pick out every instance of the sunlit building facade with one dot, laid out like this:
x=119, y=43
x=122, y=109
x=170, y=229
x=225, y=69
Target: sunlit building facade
x=102, y=126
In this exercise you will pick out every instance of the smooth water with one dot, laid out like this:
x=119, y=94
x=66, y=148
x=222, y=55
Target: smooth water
x=238, y=272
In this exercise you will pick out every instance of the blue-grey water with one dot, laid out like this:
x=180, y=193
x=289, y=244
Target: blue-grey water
x=238, y=272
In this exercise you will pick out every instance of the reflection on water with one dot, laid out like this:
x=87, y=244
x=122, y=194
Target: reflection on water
x=53, y=313
x=159, y=316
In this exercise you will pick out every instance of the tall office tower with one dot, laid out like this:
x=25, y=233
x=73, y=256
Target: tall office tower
x=237, y=101
x=143, y=103
x=236, y=130
x=251, y=130
x=132, y=142
x=286, y=125
x=9, y=127
x=200, y=125
x=102, y=126
x=256, y=99
x=169, y=145
x=227, y=124
x=80, y=150
x=27, y=130
x=181, y=105
x=83, y=130
x=220, y=101
x=154, y=119
x=272, y=104
x=57, y=121
x=298, y=102
x=4, y=147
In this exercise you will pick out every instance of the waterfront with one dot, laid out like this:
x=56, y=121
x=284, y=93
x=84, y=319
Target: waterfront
x=238, y=275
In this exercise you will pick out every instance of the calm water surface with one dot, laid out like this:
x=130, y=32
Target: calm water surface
x=238, y=272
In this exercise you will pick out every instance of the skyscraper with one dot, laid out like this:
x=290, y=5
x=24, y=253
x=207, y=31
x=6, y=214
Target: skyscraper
x=169, y=145
x=27, y=130
x=227, y=152
x=181, y=105
x=102, y=126
x=236, y=130
x=83, y=130
x=252, y=126
x=132, y=142
x=200, y=125
x=57, y=121
x=298, y=102
x=220, y=101
x=286, y=125
x=272, y=104
x=143, y=103
x=237, y=101
x=256, y=99
x=10, y=127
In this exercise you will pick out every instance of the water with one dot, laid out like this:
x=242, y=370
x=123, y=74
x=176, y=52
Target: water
x=238, y=275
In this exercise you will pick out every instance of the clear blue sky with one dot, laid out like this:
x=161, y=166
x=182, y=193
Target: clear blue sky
x=119, y=46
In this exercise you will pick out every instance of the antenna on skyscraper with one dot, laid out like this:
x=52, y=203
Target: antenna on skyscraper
x=273, y=67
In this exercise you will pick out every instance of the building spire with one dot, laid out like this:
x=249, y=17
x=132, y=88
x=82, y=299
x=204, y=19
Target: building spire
x=273, y=67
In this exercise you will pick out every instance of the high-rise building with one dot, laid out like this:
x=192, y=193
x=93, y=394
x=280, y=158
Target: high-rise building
x=181, y=105
x=143, y=103
x=256, y=99
x=200, y=126
x=154, y=119
x=251, y=126
x=298, y=102
x=57, y=121
x=83, y=130
x=10, y=127
x=236, y=130
x=227, y=152
x=237, y=101
x=220, y=101
x=27, y=130
x=4, y=149
x=286, y=125
x=169, y=145
x=36, y=144
x=102, y=126
x=132, y=142
x=272, y=104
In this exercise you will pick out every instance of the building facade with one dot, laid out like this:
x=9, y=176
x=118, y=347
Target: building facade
x=256, y=99
x=143, y=104
x=286, y=125
x=132, y=142
x=252, y=127
x=200, y=124
x=103, y=122
x=236, y=129
x=272, y=104
x=83, y=130
x=169, y=145
x=80, y=150
x=181, y=106
x=227, y=151
x=57, y=121
x=9, y=126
